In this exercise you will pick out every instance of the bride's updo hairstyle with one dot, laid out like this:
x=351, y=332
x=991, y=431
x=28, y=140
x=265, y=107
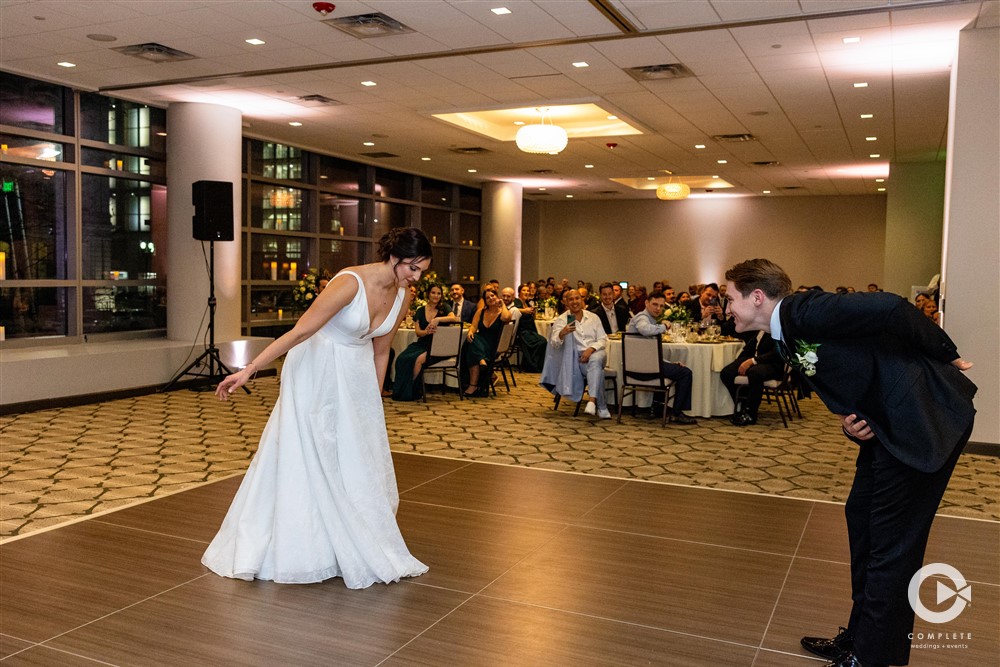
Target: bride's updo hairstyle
x=404, y=243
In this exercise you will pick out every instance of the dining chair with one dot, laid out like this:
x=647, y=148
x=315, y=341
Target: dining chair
x=783, y=392
x=502, y=360
x=446, y=344
x=641, y=356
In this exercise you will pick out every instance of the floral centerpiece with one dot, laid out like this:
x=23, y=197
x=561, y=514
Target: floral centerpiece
x=675, y=313
x=547, y=305
x=307, y=290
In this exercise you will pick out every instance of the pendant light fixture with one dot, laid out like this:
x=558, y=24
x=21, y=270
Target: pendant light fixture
x=542, y=138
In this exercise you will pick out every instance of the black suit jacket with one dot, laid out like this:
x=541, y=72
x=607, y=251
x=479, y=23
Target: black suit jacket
x=621, y=316
x=881, y=359
x=765, y=351
x=468, y=310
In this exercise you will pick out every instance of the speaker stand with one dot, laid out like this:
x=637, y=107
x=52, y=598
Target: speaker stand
x=208, y=367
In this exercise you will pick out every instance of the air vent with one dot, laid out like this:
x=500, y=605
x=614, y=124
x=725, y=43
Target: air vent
x=733, y=138
x=658, y=72
x=377, y=154
x=790, y=187
x=154, y=52
x=365, y=26
x=540, y=194
x=470, y=150
x=607, y=192
x=543, y=171
x=765, y=163
x=317, y=101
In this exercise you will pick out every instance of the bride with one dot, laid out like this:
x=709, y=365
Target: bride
x=319, y=498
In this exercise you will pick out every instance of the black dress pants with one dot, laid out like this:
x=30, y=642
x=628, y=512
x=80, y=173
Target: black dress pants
x=754, y=392
x=889, y=514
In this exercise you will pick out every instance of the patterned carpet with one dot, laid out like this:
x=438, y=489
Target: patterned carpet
x=63, y=464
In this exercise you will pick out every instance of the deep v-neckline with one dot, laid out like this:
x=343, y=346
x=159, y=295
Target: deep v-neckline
x=368, y=311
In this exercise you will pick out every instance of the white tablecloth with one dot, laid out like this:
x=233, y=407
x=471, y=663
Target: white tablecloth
x=708, y=395
x=400, y=342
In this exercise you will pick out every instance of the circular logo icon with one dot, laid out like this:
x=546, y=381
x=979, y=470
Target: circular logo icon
x=960, y=590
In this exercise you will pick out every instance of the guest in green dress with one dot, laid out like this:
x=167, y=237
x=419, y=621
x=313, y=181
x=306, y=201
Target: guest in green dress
x=411, y=361
x=484, y=337
x=532, y=343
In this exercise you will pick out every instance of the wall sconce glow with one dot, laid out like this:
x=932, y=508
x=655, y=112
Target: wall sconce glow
x=256, y=42
x=861, y=84
x=295, y=123
x=500, y=11
x=851, y=40
x=867, y=115
x=66, y=64
x=368, y=83
x=581, y=64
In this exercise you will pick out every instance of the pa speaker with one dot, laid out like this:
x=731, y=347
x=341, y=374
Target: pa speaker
x=213, y=210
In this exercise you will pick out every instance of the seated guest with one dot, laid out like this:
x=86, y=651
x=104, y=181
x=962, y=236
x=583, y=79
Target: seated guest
x=759, y=361
x=919, y=300
x=683, y=297
x=577, y=351
x=459, y=305
x=657, y=286
x=619, y=294
x=873, y=287
x=645, y=324
x=638, y=304
x=412, y=360
x=706, y=305
x=589, y=301
x=670, y=295
x=930, y=311
x=532, y=343
x=484, y=337
x=613, y=314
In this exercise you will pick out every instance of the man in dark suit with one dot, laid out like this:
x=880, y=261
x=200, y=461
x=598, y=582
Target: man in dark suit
x=460, y=305
x=758, y=362
x=706, y=304
x=613, y=314
x=895, y=379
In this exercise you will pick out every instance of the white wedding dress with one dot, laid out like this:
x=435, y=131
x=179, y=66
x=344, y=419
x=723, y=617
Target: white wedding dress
x=319, y=498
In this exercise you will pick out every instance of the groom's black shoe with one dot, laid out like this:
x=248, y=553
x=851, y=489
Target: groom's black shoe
x=831, y=649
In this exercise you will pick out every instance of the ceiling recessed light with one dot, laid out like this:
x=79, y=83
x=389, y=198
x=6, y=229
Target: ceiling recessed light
x=518, y=122
x=650, y=178
x=871, y=138
x=851, y=40
x=767, y=192
x=426, y=159
x=612, y=117
x=581, y=64
x=255, y=41
x=368, y=143
x=875, y=155
x=66, y=64
x=723, y=161
x=715, y=175
x=881, y=189
x=472, y=171
x=500, y=11
x=295, y=123
x=323, y=177
x=368, y=83
x=161, y=134
x=699, y=145
x=542, y=189
x=880, y=180
x=861, y=84
x=588, y=166
x=867, y=115
x=569, y=196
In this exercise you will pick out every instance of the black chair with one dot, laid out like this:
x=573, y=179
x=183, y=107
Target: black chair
x=447, y=344
x=783, y=392
x=641, y=356
x=502, y=360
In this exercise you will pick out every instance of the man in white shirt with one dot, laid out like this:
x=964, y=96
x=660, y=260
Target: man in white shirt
x=577, y=351
x=644, y=323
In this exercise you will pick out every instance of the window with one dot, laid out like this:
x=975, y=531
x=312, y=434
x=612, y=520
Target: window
x=34, y=209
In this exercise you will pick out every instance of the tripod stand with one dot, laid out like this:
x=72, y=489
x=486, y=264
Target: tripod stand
x=209, y=361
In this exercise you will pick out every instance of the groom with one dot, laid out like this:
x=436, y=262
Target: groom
x=895, y=379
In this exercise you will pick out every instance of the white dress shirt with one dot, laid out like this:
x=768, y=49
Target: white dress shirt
x=589, y=332
x=612, y=317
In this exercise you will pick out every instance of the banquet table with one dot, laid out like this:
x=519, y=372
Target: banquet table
x=709, y=396
x=400, y=342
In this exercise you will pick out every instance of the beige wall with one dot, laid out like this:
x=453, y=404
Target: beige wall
x=914, y=218
x=828, y=241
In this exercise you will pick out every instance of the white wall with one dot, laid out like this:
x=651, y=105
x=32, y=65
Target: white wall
x=914, y=218
x=828, y=241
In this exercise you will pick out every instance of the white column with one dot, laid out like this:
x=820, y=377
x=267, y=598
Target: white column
x=970, y=286
x=203, y=144
x=501, y=233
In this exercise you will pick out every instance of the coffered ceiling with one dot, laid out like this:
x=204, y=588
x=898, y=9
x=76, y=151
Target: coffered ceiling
x=784, y=72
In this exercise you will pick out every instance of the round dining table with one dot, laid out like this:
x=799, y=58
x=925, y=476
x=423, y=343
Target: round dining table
x=709, y=396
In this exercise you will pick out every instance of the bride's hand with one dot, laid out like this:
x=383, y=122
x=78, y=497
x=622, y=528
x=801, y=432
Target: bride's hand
x=232, y=383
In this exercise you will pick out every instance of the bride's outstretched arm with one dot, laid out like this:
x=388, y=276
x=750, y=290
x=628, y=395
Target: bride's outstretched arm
x=338, y=294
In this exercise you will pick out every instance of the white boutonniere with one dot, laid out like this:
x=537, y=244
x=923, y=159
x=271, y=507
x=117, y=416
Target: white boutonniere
x=806, y=357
